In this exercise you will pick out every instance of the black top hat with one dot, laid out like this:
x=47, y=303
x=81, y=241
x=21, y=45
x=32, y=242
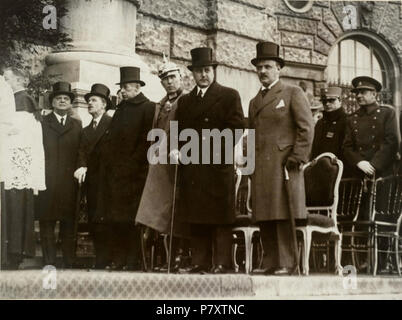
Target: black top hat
x=201, y=57
x=100, y=90
x=61, y=87
x=268, y=51
x=130, y=74
x=365, y=83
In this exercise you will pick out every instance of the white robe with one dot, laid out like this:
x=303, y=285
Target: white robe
x=22, y=159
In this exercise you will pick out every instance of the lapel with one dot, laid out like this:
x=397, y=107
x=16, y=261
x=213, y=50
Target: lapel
x=102, y=127
x=198, y=107
x=270, y=100
x=56, y=126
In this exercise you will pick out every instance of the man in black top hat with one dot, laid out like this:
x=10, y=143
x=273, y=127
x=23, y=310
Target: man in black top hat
x=91, y=169
x=371, y=139
x=61, y=139
x=330, y=129
x=123, y=154
x=206, y=199
x=281, y=117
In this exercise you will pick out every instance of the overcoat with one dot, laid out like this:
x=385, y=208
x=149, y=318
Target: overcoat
x=123, y=153
x=207, y=190
x=155, y=209
x=61, y=145
x=284, y=127
x=91, y=158
x=372, y=135
x=329, y=133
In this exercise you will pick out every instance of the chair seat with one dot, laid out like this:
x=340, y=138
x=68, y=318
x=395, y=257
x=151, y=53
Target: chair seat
x=318, y=220
x=243, y=221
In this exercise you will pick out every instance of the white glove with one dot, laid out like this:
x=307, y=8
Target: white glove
x=175, y=156
x=80, y=174
x=366, y=167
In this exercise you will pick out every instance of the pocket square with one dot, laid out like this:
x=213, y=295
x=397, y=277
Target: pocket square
x=281, y=104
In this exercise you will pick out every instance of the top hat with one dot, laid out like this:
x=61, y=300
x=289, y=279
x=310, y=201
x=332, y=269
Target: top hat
x=365, y=83
x=166, y=68
x=99, y=90
x=61, y=87
x=268, y=51
x=130, y=74
x=201, y=57
x=331, y=92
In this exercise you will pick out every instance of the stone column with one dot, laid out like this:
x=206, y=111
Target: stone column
x=103, y=39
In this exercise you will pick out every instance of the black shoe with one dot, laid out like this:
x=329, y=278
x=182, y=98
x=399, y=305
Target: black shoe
x=263, y=271
x=194, y=269
x=283, y=271
x=219, y=269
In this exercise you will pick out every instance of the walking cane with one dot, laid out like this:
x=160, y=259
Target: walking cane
x=172, y=218
x=76, y=217
x=292, y=221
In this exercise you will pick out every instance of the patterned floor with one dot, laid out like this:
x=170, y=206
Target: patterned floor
x=82, y=284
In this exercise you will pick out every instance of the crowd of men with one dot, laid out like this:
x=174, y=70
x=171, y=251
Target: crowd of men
x=108, y=161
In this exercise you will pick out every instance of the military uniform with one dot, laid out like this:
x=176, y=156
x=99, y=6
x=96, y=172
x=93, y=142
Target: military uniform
x=371, y=135
x=329, y=131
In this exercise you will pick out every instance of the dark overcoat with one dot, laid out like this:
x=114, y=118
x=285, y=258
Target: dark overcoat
x=61, y=145
x=371, y=135
x=329, y=133
x=284, y=127
x=123, y=153
x=207, y=190
x=91, y=158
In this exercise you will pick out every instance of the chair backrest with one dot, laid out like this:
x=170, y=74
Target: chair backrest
x=350, y=198
x=387, y=199
x=242, y=189
x=321, y=179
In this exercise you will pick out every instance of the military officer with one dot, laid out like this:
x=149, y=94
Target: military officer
x=330, y=130
x=371, y=138
x=160, y=180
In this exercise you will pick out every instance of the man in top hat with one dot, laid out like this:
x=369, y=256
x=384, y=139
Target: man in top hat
x=155, y=208
x=284, y=129
x=61, y=139
x=207, y=190
x=91, y=169
x=371, y=138
x=330, y=130
x=123, y=154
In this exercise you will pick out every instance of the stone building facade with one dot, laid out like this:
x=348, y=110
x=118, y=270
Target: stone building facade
x=110, y=33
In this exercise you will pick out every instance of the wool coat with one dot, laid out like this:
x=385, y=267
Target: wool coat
x=155, y=210
x=61, y=145
x=95, y=191
x=284, y=127
x=122, y=152
x=207, y=191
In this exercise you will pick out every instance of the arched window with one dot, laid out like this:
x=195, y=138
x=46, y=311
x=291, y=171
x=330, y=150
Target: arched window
x=351, y=58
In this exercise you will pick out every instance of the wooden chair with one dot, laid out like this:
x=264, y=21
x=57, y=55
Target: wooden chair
x=322, y=177
x=244, y=231
x=387, y=218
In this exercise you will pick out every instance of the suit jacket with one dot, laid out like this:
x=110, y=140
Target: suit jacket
x=123, y=153
x=96, y=169
x=61, y=145
x=372, y=135
x=207, y=190
x=284, y=127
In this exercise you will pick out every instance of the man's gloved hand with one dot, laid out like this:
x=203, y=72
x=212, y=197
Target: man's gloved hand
x=292, y=163
x=366, y=167
x=80, y=174
x=175, y=156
